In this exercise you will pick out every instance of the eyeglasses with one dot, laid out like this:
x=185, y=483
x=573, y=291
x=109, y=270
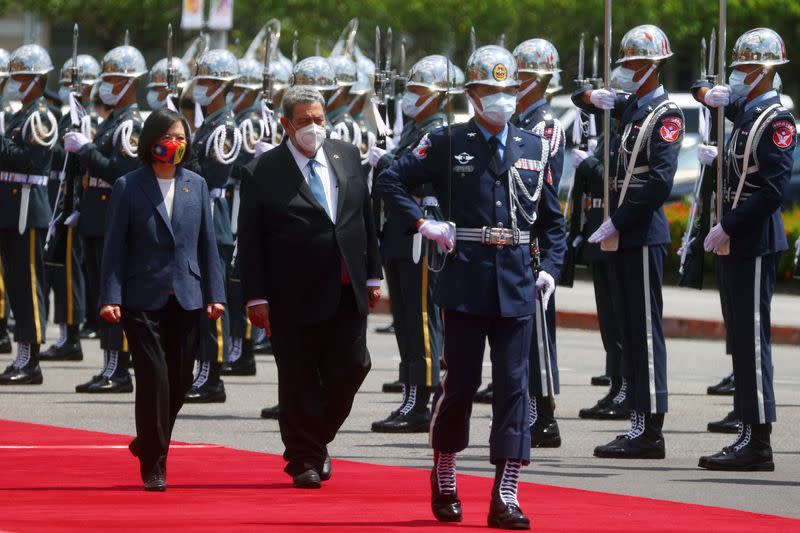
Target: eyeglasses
x=179, y=138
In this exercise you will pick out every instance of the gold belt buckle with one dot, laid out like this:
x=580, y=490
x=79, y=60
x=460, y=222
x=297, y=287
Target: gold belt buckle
x=498, y=236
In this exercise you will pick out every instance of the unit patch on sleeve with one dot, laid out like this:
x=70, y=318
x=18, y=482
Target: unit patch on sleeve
x=783, y=133
x=671, y=128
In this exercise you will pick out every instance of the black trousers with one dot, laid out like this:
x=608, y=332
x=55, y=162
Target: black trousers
x=606, y=299
x=320, y=368
x=112, y=337
x=23, y=266
x=68, y=284
x=216, y=336
x=163, y=344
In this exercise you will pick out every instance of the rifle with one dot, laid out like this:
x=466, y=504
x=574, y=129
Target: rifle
x=722, y=34
x=611, y=244
x=692, y=253
x=172, y=79
x=384, y=81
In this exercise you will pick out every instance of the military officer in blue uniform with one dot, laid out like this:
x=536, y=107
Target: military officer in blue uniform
x=157, y=87
x=215, y=148
x=65, y=274
x=643, y=168
x=109, y=156
x=26, y=151
x=494, y=193
x=750, y=238
x=416, y=317
x=537, y=63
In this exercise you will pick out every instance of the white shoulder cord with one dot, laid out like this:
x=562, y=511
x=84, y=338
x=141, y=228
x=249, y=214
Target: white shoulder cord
x=41, y=136
x=217, y=140
x=342, y=132
x=516, y=183
x=123, y=135
x=268, y=116
x=249, y=136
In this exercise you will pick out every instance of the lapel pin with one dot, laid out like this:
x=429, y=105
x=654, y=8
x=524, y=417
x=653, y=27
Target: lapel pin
x=336, y=156
x=185, y=189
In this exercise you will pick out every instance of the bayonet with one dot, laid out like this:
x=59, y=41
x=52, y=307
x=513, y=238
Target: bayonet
x=388, y=49
x=703, y=52
x=267, y=79
x=502, y=40
x=473, y=40
x=172, y=89
x=316, y=46
x=581, y=59
x=295, y=43
x=595, y=53
x=127, y=40
x=610, y=244
x=712, y=66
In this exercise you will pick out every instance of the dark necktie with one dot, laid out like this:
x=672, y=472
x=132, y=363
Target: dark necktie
x=494, y=144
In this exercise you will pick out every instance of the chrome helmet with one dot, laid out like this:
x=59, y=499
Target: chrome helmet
x=492, y=65
x=364, y=82
x=537, y=56
x=281, y=74
x=158, y=74
x=251, y=74
x=29, y=59
x=760, y=46
x=88, y=66
x=4, y=55
x=316, y=72
x=431, y=72
x=644, y=42
x=125, y=61
x=457, y=80
x=555, y=84
x=217, y=64
x=344, y=70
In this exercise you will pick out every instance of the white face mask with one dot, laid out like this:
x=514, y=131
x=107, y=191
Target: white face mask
x=498, y=108
x=12, y=89
x=107, y=95
x=154, y=100
x=739, y=87
x=623, y=77
x=201, y=96
x=310, y=138
x=409, y=104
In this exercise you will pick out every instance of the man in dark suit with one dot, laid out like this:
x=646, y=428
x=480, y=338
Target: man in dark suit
x=309, y=265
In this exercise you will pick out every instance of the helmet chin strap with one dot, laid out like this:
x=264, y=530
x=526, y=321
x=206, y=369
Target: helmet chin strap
x=525, y=92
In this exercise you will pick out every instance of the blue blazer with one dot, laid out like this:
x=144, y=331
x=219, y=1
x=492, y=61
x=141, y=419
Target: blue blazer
x=146, y=256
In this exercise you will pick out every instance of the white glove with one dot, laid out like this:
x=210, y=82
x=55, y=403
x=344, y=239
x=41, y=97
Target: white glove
x=374, y=155
x=603, y=98
x=715, y=238
x=706, y=154
x=261, y=148
x=545, y=286
x=605, y=231
x=577, y=242
x=74, y=141
x=440, y=232
x=578, y=157
x=390, y=143
x=592, y=144
x=718, y=96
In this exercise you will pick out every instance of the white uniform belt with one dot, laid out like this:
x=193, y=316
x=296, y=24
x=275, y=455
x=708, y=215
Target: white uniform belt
x=493, y=236
x=98, y=183
x=25, y=179
x=217, y=193
x=55, y=175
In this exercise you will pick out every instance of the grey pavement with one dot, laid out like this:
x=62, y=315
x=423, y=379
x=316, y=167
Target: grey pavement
x=693, y=365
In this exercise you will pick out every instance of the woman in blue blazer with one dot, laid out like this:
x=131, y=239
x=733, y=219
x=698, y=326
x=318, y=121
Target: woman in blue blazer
x=160, y=272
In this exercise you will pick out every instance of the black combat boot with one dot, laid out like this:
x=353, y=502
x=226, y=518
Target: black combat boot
x=67, y=347
x=84, y=387
x=726, y=387
x=25, y=368
x=242, y=361
x=750, y=452
x=207, y=386
x=412, y=417
x=485, y=395
x=643, y=441
x=544, y=428
x=611, y=406
x=445, y=504
x=504, y=511
x=116, y=379
x=729, y=424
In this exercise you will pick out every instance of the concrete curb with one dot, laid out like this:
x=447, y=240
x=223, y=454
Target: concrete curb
x=674, y=327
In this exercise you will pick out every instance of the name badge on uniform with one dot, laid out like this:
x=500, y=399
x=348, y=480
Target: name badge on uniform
x=529, y=164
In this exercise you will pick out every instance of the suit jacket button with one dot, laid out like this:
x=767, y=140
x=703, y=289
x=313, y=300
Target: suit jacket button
x=498, y=203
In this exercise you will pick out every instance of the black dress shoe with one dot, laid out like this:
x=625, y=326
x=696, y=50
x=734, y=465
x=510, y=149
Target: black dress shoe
x=119, y=384
x=484, y=396
x=5, y=344
x=506, y=516
x=264, y=347
x=393, y=386
x=327, y=469
x=545, y=435
x=729, y=424
x=307, y=480
x=88, y=332
x=386, y=330
x=69, y=351
x=156, y=480
x=207, y=393
x=646, y=443
x=27, y=375
x=240, y=367
x=726, y=387
x=750, y=453
x=611, y=411
x=412, y=422
x=270, y=413
x=84, y=387
x=445, y=507
x=601, y=381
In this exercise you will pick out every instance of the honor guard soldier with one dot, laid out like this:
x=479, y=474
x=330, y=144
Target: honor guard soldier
x=338, y=108
x=494, y=191
x=215, y=147
x=26, y=151
x=109, y=156
x=751, y=237
x=417, y=321
x=316, y=72
x=65, y=274
x=644, y=161
x=5, y=111
x=537, y=63
x=157, y=89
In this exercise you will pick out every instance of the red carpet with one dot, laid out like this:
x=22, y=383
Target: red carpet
x=67, y=479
